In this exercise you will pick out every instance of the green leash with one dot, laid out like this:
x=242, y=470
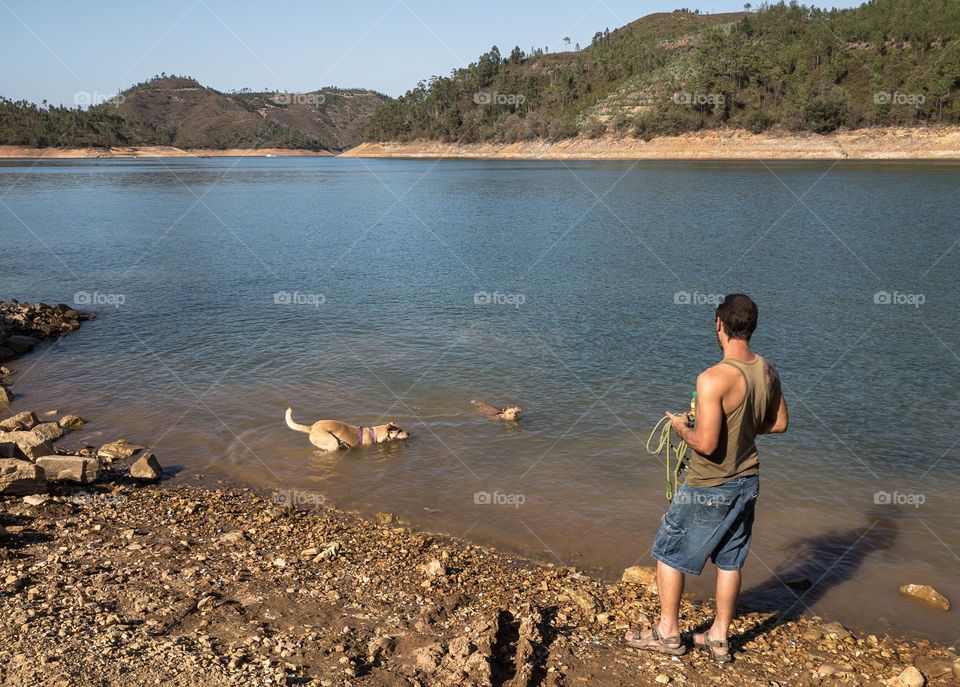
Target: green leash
x=666, y=447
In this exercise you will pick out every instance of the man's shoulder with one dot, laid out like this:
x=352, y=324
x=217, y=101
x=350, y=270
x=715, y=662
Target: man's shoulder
x=718, y=377
x=720, y=371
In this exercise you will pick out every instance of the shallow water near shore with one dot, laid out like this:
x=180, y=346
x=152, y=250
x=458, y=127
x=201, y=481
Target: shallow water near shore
x=358, y=289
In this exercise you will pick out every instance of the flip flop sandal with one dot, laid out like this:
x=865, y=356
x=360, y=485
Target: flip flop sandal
x=656, y=643
x=709, y=645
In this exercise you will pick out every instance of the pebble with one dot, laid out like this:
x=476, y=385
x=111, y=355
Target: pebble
x=911, y=677
x=926, y=594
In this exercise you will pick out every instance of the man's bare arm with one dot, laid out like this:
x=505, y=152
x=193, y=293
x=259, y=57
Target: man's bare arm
x=705, y=438
x=782, y=420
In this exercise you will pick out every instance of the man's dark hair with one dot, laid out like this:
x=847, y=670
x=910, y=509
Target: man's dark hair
x=738, y=315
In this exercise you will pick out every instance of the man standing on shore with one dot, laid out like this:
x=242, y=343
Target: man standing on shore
x=711, y=515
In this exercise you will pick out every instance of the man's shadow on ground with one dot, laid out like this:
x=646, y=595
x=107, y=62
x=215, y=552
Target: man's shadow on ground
x=815, y=565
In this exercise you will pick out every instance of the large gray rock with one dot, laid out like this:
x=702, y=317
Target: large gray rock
x=31, y=445
x=69, y=468
x=49, y=431
x=147, y=468
x=20, y=478
x=24, y=420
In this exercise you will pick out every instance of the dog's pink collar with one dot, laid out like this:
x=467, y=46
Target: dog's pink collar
x=373, y=435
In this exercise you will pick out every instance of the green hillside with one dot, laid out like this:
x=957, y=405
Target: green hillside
x=788, y=66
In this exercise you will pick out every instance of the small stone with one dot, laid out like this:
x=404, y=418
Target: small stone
x=233, y=537
x=36, y=499
x=327, y=553
x=435, y=568
x=826, y=670
x=662, y=679
x=71, y=422
x=911, y=677
x=638, y=574
x=147, y=468
x=835, y=629
x=926, y=594
x=118, y=450
x=279, y=563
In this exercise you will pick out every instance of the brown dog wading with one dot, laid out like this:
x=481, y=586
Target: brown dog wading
x=331, y=435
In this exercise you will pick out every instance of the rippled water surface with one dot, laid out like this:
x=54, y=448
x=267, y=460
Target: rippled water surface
x=384, y=262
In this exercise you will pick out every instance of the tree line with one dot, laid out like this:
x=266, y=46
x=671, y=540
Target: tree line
x=783, y=65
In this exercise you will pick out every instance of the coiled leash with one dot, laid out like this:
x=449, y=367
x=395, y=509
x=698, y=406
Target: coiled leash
x=667, y=447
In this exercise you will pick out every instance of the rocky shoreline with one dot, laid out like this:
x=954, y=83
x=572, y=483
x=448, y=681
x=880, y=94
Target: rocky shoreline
x=108, y=579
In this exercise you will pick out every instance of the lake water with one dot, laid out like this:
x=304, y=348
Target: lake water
x=354, y=290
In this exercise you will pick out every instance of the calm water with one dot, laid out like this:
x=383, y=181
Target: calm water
x=383, y=261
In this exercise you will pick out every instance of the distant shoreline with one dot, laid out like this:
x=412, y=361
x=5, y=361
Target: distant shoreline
x=30, y=152
x=893, y=143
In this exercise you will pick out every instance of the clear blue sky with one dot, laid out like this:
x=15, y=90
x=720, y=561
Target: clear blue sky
x=54, y=49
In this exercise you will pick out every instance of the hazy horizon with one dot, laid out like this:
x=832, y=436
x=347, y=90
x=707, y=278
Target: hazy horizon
x=103, y=47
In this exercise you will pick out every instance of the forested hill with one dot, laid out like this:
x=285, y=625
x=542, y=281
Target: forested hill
x=179, y=111
x=785, y=66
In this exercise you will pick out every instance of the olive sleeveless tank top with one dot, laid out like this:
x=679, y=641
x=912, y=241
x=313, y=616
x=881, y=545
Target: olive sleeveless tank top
x=736, y=454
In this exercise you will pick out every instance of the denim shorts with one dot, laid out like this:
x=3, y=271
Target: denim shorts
x=708, y=522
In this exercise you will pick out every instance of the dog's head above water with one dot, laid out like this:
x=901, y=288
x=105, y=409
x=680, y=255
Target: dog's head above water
x=511, y=413
x=394, y=431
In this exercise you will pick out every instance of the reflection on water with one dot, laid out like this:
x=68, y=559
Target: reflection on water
x=203, y=356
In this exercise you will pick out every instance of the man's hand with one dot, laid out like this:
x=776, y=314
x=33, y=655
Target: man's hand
x=679, y=422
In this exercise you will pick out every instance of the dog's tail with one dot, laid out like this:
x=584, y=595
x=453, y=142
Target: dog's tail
x=296, y=426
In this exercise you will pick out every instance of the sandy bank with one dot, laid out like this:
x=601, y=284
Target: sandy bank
x=151, y=151
x=863, y=144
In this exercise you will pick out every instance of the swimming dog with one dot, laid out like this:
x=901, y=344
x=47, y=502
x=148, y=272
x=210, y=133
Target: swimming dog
x=508, y=414
x=331, y=435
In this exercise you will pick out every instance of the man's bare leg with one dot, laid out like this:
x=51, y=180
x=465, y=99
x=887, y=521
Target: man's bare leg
x=728, y=589
x=669, y=589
